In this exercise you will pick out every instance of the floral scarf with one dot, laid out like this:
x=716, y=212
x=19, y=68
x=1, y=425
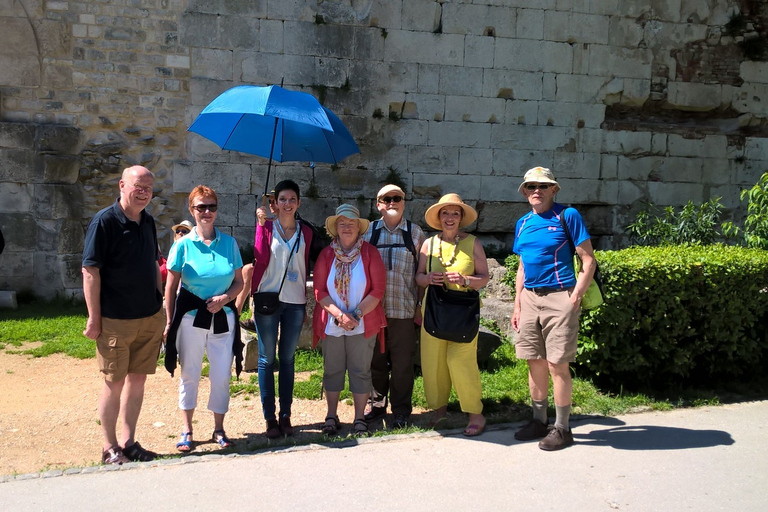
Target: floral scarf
x=343, y=263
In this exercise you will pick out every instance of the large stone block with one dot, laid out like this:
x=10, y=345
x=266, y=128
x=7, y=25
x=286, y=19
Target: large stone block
x=461, y=81
x=476, y=110
x=478, y=51
x=499, y=189
x=271, y=36
x=224, y=178
x=16, y=197
x=413, y=132
x=711, y=146
x=17, y=135
x=528, y=55
x=575, y=27
x=466, y=135
x=19, y=231
x=625, y=32
x=517, y=85
x=554, y=113
x=425, y=48
x=469, y=190
x=665, y=194
x=585, y=191
x=530, y=24
x=750, y=98
x=521, y=112
x=485, y=20
x=421, y=16
x=399, y=76
x=627, y=143
x=500, y=217
x=290, y=10
x=59, y=139
x=369, y=44
x=20, y=166
x=514, y=162
x=538, y=138
x=319, y=40
x=58, y=201
x=61, y=169
x=239, y=32
x=263, y=68
x=667, y=10
x=694, y=96
x=433, y=160
x=475, y=161
x=212, y=63
x=610, y=61
x=751, y=71
x=577, y=165
x=386, y=14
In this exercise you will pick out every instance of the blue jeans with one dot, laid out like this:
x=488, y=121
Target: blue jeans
x=290, y=318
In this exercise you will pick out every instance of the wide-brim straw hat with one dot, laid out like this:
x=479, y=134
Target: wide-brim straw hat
x=350, y=212
x=538, y=175
x=432, y=216
x=184, y=223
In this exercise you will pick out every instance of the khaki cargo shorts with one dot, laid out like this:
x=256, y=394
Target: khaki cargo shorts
x=549, y=327
x=129, y=346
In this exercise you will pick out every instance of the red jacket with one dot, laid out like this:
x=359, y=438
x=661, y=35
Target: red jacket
x=376, y=284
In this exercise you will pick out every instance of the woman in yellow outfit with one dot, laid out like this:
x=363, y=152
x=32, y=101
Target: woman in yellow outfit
x=458, y=262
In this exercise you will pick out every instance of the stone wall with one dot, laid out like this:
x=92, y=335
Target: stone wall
x=626, y=101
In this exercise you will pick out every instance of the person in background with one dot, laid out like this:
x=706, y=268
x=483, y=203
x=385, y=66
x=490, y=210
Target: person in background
x=201, y=318
x=399, y=242
x=179, y=230
x=458, y=262
x=281, y=265
x=548, y=303
x=350, y=282
x=121, y=284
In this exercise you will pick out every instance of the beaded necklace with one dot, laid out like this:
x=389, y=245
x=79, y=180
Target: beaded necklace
x=453, y=256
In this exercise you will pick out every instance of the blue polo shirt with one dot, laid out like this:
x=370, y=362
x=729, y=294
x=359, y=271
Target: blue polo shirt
x=543, y=247
x=125, y=252
x=206, y=270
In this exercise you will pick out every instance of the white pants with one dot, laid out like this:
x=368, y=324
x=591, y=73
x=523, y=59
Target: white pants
x=192, y=343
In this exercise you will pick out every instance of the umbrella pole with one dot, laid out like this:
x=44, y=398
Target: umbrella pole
x=265, y=197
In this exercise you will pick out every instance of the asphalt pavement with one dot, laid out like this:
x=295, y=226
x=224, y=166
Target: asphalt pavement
x=703, y=459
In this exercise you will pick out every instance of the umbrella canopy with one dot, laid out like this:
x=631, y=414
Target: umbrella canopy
x=282, y=125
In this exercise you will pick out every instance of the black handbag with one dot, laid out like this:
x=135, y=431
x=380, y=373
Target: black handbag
x=451, y=314
x=266, y=303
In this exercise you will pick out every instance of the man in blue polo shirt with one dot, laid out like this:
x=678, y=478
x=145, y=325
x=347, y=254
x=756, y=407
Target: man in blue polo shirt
x=548, y=303
x=122, y=288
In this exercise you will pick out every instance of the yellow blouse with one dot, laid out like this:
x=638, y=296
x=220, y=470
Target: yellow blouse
x=464, y=263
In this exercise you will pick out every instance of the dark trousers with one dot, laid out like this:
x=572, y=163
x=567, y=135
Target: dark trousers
x=392, y=371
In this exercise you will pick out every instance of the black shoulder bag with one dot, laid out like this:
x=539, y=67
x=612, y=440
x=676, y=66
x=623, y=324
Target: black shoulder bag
x=451, y=314
x=266, y=303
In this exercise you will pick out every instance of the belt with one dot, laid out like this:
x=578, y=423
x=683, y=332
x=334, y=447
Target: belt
x=546, y=291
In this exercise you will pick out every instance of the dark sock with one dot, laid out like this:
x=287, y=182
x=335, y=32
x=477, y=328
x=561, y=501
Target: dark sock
x=540, y=410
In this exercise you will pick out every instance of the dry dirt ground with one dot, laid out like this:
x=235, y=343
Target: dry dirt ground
x=49, y=418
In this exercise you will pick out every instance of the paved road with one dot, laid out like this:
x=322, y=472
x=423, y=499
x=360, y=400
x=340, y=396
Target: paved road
x=712, y=458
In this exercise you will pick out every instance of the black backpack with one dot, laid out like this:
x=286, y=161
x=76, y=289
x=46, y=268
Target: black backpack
x=407, y=238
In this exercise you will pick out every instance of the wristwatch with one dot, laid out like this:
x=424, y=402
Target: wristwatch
x=358, y=313
x=466, y=281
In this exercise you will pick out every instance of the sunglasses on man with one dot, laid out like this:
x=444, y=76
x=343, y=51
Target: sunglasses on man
x=390, y=199
x=202, y=207
x=534, y=186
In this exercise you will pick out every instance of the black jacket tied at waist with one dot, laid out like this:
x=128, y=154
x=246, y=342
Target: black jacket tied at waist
x=187, y=301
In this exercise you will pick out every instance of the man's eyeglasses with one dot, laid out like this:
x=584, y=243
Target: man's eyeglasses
x=202, y=207
x=140, y=188
x=390, y=199
x=182, y=231
x=534, y=186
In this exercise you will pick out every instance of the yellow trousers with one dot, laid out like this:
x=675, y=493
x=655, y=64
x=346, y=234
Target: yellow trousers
x=445, y=363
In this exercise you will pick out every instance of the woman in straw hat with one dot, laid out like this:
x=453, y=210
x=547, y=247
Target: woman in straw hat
x=350, y=281
x=457, y=262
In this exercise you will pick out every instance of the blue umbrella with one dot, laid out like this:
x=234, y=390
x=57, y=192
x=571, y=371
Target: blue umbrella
x=282, y=125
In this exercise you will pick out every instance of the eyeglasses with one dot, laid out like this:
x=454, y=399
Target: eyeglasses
x=182, y=231
x=202, y=207
x=390, y=199
x=540, y=186
x=140, y=188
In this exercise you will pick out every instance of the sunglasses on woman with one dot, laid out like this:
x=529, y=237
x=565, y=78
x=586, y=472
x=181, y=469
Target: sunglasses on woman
x=202, y=207
x=390, y=199
x=182, y=231
x=534, y=186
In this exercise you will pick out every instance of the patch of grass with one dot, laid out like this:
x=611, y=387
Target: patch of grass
x=56, y=325
x=248, y=386
x=308, y=360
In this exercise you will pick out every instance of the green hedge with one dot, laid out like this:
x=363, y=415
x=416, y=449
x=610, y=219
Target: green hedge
x=678, y=315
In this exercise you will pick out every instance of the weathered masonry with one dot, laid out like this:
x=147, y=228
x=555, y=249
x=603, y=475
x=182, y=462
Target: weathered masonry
x=663, y=101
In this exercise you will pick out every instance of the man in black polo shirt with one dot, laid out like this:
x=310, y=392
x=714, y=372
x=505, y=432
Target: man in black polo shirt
x=121, y=284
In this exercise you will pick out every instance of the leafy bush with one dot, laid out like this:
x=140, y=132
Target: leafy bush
x=677, y=314
x=755, y=232
x=692, y=225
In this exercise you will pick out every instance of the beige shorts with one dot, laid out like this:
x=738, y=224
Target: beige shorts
x=129, y=346
x=549, y=327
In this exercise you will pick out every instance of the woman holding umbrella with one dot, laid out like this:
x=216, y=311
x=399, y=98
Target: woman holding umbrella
x=281, y=266
x=350, y=281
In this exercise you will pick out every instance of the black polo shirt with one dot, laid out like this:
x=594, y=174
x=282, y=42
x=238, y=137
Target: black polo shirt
x=125, y=252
